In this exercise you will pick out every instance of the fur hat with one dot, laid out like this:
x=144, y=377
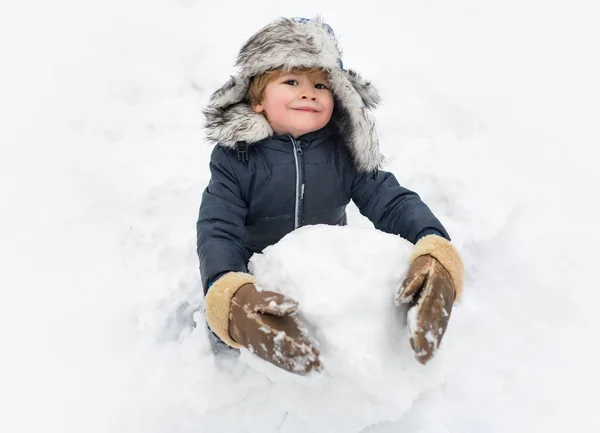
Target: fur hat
x=284, y=44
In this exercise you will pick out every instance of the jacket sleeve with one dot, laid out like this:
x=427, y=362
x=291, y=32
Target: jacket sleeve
x=393, y=208
x=221, y=222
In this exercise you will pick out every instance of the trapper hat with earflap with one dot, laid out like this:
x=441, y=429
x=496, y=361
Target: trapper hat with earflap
x=284, y=44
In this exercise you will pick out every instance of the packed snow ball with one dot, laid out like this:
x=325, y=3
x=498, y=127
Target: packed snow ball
x=345, y=280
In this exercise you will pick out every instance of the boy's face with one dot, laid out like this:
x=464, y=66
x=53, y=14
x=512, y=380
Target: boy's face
x=297, y=103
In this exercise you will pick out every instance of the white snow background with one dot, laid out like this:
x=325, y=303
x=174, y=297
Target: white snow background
x=490, y=112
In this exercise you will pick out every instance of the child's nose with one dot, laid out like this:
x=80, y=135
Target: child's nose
x=309, y=93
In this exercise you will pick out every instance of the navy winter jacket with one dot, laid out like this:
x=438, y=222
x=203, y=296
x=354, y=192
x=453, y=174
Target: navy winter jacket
x=257, y=196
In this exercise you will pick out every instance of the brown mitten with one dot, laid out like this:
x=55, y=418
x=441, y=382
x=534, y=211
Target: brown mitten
x=432, y=284
x=263, y=322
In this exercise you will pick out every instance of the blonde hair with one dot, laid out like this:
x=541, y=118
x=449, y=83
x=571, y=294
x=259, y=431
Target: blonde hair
x=258, y=83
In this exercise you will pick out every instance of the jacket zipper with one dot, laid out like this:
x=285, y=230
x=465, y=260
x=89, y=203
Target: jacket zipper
x=298, y=159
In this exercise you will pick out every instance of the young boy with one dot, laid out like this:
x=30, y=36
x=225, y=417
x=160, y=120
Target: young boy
x=295, y=143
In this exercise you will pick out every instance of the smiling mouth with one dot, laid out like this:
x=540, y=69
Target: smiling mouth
x=307, y=109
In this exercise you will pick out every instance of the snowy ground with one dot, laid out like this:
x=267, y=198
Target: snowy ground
x=489, y=111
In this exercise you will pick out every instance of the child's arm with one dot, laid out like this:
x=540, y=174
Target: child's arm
x=393, y=208
x=221, y=222
x=436, y=273
x=235, y=310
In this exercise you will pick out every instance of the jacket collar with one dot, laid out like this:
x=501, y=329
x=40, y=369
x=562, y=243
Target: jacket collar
x=326, y=131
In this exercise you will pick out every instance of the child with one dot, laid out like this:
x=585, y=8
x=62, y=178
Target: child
x=295, y=143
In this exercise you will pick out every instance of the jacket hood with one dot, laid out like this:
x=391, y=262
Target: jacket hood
x=284, y=44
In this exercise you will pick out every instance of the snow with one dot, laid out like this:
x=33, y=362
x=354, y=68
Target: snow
x=489, y=112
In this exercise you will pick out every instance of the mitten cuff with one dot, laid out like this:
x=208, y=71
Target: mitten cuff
x=445, y=253
x=218, y=303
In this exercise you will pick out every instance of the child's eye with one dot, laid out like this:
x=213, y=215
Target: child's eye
x=291, y=82
x=321, y=86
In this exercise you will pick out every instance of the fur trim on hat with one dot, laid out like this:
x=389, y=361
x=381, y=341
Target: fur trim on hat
x=285, y=44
